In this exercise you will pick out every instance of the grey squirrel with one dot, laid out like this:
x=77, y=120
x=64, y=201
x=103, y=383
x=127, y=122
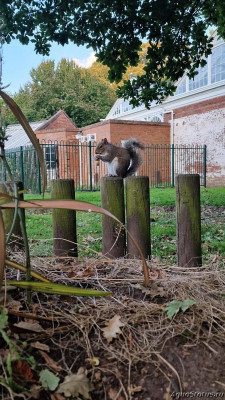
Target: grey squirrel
x=121, y=161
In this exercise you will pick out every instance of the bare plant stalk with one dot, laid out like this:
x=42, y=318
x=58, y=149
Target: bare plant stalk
x=21, y=215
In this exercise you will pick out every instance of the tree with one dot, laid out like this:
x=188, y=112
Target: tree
x=84, y=97
x=176, y=30
x=102, y=71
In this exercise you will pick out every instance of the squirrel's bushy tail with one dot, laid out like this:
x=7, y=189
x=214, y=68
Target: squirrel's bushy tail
x=134, y=147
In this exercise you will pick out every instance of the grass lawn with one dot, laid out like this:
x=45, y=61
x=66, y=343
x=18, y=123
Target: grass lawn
x=163, y=228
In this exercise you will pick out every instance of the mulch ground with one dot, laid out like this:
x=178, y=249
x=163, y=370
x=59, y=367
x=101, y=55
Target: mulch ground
x=143, y=355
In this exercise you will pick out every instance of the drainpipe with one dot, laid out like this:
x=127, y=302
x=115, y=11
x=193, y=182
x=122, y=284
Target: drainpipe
x=171, y=125
x=172, y=145
x=81, y=162
x=78, y=136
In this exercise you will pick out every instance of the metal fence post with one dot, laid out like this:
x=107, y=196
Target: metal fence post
x=172, y=165
x=204, y=165
x=21, y=166
x=90, y=165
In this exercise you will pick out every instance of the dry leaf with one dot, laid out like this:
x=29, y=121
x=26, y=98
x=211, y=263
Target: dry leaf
x=98, y=376
x=50, y=362
x=28, y=326
x=154, y=274
x=75, y=385
x=14, y=305
x=22, y=370
x=56, y=396
x=112, y=328
x=34, y=392
x=40, y=346
x=113, y=394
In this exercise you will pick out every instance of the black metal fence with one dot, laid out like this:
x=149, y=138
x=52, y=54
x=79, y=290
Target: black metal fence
x=76, y=161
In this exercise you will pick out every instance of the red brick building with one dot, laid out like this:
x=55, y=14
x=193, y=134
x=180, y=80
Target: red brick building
x=69, y=150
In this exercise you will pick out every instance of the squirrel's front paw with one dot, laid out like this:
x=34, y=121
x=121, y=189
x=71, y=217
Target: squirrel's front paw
x=109, y=175
x=96, y=158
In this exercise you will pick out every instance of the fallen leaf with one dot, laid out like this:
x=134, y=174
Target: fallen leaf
x=48, y=379
x=81, y=273
x=114, y=394
x=40, y=346
x=112, y=328
x=14, y=305
x=75, y=385
x=50, y=362
x=98, y=376
x=154, y=274
x=34, y=392
x=28, y=326
x=22, y=371
x=56, y=396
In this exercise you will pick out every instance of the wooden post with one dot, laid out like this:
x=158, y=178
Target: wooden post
x=64, y=221
x=138, y=215
x=8, y=214
x=112, y=197
x=188, y=220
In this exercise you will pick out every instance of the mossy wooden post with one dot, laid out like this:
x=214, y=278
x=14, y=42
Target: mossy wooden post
x=8, y=214
x=188, y=220
x=138, y=215
x=64, y=221
x=112, y=198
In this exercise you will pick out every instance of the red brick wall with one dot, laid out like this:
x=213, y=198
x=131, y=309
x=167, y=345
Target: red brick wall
x=117, y=130
x=61, y=130
x=197, y=108
x=147, y=132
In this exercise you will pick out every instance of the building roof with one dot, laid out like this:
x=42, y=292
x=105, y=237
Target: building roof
x=17, y=136
x=45, y=124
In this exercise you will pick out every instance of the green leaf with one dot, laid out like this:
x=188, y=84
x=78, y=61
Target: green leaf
x=187, y=304
x=54, y=288
x=3, y=319
x=48, y=379
x=172, y=308
x=176, y=305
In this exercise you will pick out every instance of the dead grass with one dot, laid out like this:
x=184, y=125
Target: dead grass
x=141, y=309
x=73, y=326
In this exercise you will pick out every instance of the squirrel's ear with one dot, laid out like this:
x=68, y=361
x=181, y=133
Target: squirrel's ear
x=105, y=141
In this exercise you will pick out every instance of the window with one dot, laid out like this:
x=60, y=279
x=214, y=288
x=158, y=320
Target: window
x=154, y=118
x=117, y=111
x=199, y=80
x=126, y=106
x=182, y=87
x=218, y=64
x=50, y=156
